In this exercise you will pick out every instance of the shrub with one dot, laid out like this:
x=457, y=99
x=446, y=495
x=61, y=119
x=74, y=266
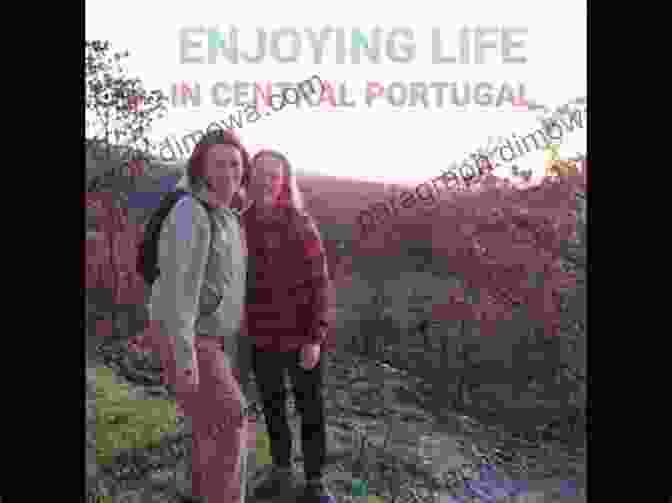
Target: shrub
x=124, y=422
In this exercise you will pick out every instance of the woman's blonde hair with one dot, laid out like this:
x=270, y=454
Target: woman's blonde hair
x=290, y=194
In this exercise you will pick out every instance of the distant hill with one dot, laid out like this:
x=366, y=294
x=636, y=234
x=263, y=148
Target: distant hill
x=333, y=201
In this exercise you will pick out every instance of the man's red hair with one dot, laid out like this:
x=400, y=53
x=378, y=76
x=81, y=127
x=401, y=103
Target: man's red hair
x=196, y=163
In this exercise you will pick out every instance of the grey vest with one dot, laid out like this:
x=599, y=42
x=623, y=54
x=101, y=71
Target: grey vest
x=222, y=296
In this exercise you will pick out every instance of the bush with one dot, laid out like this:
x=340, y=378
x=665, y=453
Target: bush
x=124, y=422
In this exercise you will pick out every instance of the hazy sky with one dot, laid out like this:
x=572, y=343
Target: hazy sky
x=379, y=142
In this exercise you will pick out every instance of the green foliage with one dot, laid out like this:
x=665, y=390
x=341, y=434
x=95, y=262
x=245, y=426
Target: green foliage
x=553, y=150
x=121, y=108
x=124, y=422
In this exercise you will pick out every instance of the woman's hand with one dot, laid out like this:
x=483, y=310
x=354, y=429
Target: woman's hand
x=310, y=355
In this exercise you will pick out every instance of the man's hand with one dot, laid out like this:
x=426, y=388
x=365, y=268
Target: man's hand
x=187, y=383
x=185, y=394
x=310, y=355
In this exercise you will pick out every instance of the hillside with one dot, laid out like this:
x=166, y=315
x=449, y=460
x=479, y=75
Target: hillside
x=391, y=409
x=382, y=368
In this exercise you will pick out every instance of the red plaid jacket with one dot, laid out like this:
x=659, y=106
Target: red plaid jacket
x=289, y=293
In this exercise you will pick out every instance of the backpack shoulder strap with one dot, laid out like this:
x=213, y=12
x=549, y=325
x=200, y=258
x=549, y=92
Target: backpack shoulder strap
x=208, y=210
x=166, y=204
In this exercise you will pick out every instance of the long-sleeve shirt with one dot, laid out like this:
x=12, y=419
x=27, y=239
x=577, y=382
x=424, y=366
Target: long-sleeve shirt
x=201, y=286
x=289, y=298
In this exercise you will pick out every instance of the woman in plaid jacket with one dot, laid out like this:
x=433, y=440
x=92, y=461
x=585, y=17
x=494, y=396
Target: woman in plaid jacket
x=287, y=316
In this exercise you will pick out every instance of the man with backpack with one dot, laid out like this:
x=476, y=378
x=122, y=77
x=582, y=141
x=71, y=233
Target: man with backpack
x=195, y=260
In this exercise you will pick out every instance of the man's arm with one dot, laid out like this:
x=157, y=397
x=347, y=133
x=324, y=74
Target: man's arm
x=183, y=253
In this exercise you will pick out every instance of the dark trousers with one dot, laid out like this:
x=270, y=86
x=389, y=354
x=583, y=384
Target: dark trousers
x=269, y=368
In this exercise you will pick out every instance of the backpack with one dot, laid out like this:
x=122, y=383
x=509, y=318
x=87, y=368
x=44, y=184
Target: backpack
x=148, y=249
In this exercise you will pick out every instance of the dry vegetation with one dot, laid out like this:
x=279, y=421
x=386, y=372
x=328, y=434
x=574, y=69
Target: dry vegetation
x=518, y=380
